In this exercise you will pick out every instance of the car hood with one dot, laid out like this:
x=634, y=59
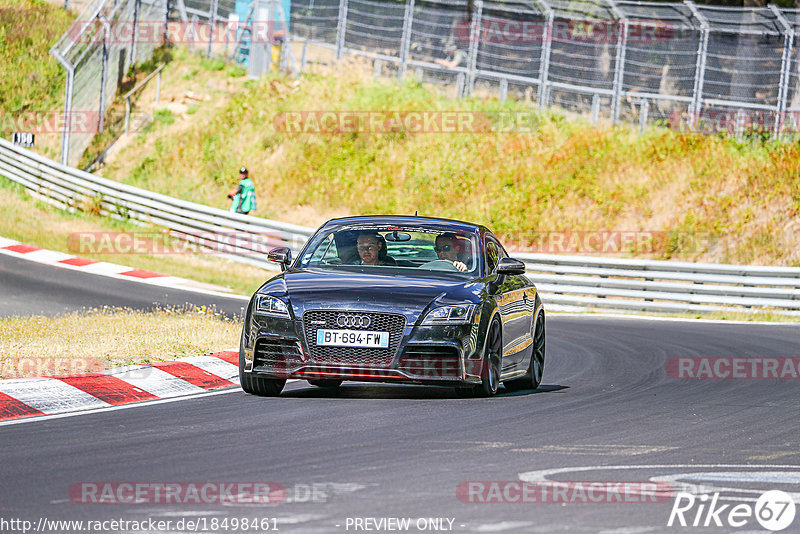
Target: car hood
x=354, y=290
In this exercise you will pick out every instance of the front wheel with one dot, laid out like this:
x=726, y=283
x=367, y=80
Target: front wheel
x=490, y=379
x=257, y=385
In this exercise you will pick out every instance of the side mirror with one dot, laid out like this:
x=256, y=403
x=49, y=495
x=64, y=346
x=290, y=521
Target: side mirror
x=282, y=255
x=510, y=266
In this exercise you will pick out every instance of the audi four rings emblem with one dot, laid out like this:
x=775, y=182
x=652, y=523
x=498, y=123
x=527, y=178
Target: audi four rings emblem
x=357, y=321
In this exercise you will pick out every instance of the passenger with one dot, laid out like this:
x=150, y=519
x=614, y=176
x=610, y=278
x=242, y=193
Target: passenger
x=451, y=248
x=371, y=248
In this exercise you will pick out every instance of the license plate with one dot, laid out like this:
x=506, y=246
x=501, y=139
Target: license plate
x=352, y=338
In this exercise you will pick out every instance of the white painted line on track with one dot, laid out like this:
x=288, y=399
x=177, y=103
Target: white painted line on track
x=745, y=472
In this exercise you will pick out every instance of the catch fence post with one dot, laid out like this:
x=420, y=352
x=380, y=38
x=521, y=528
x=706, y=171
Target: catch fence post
x=619, y=67
x=405, y=42
x=644, y=110
x=212, y=22
x=700, y=66
x=341, y=28
x=786, y=63
x=68, y=93
x=137, y=5
x=474, y=42
x=544, y=59
x=103, y=73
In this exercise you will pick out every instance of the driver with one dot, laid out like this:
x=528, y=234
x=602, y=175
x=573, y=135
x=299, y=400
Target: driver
x=371, y=248
x=450, y=248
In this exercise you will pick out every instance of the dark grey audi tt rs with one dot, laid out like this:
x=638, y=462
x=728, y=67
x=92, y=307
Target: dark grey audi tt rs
x=395, y=299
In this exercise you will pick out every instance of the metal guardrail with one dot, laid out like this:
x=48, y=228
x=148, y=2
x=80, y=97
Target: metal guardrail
x=581, y=281
x=244, y=237
x=664, y=286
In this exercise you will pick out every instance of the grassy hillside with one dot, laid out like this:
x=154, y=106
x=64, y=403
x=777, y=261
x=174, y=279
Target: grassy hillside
x=30, y=78
x=707, y=198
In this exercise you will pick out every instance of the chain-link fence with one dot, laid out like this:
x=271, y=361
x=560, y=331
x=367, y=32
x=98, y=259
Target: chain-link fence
x=693, y=67
x=111, y=36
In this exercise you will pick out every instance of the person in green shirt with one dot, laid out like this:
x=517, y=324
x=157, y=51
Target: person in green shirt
x=243, y=195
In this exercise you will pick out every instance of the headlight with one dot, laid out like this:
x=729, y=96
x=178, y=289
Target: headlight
x=268, y=305
x=461, y=313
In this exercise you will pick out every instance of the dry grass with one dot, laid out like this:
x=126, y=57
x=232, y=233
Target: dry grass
x=101, y=338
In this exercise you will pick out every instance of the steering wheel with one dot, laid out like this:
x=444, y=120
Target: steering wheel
x=439, y=265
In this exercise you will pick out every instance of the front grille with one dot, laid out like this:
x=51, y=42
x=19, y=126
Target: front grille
x=431, y=361
x=356, y=356
x=276, y=354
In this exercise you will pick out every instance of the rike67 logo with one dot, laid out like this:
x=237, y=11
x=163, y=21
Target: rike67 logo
x=774, y=510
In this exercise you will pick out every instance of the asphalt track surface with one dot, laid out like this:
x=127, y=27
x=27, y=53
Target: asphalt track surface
x=385, y=451
x=30, y=288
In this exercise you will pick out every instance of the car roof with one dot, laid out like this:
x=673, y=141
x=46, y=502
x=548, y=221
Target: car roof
x=450, y=224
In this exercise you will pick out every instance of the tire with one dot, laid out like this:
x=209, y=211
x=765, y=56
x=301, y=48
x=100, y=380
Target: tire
x=533, y=377
x=326, y=383
x=254, y=384
x=490, y=377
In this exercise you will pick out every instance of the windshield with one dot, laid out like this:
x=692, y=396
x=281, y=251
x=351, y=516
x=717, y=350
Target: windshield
x=400, y=248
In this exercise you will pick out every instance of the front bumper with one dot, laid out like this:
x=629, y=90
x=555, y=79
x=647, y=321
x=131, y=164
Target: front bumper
x=431, y=355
